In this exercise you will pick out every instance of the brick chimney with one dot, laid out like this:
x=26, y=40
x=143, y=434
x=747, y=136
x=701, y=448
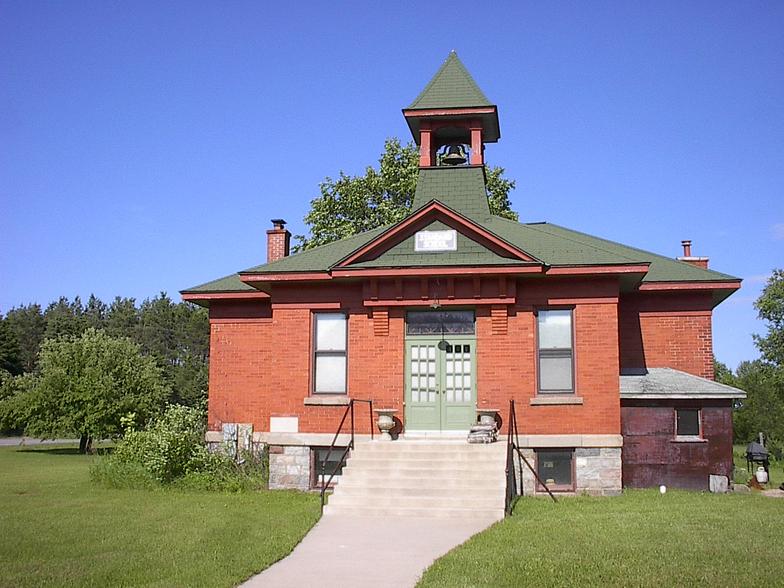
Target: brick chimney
x=278, y=239
x=689, y=258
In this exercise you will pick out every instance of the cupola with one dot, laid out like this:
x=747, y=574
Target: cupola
x=452, y=119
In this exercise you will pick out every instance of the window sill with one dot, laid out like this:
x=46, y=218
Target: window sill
x=327, y=400
x=688, y=439
x=555, y=399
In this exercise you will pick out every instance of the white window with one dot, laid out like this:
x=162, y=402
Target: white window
x=556, y=360
x=329, y=353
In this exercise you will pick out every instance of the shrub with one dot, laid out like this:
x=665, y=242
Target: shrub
x=171, y=451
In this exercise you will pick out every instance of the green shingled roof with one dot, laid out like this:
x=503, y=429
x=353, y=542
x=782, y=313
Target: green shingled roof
x=451, y=87
x=320, y=258
x=230, y=283
x=461, y=188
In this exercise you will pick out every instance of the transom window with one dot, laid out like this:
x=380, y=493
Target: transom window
x=440, y=322
x=329, y=353
x=687, y=422
x=555, y=468
x=556, y=359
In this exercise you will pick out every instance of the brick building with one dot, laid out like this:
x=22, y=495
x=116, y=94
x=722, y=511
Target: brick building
x=606, y=349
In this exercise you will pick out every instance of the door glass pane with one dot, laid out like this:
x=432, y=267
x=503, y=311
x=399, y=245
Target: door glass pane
x=555, y=329
x=555, y=373
x=330, y=373
x=330, y=332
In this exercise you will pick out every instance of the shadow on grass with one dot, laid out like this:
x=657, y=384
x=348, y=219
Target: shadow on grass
x=64, y=450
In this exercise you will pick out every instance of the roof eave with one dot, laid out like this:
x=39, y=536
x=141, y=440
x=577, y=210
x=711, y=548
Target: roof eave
x=683, y=396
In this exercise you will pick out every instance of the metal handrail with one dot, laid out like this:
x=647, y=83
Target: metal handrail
x=512, y=449
x=349, y=412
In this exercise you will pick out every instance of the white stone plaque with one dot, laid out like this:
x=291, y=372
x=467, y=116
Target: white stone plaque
x=284, y=424
x=436, y=240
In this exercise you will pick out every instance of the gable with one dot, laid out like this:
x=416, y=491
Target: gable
x=479, y=241
x=468, y=252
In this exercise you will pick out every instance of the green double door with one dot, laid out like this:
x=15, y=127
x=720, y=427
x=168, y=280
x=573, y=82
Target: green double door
x=440, y=383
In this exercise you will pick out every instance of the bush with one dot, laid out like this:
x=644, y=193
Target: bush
x=171, y=452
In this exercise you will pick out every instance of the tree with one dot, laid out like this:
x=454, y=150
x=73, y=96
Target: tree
x=87, y=384
x=354, y=204
x=122, y=318
x=27, y=323
x=65, y=318
x=763, y=380
x=178, y=336
x=10, y=353
x=770, y=306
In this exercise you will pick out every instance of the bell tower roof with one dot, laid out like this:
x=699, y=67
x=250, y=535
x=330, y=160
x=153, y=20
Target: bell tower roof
x=451, y=87
x=453, y=110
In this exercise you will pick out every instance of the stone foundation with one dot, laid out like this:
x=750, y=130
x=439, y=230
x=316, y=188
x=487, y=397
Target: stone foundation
x=289, y=467
x=597, y=471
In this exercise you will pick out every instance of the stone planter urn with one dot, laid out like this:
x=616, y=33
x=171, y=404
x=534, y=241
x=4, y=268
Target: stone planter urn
x=385, y=422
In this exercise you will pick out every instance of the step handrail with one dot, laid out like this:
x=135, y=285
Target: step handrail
x=348, y=412
x=512, y=450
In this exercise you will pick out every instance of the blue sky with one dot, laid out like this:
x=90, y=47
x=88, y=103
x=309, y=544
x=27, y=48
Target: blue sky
x=144, y=146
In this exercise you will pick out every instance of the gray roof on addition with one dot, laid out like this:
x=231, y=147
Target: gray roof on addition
x=667, y=383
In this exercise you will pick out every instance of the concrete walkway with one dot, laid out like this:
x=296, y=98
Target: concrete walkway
x=347, y=552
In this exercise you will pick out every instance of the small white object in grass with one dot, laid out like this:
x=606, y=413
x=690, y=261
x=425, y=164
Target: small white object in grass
x=663, y=489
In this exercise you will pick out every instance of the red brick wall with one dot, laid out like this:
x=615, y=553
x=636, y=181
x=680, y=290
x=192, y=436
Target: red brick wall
x=651, y=457
x=506, y=363
x=667, y=330
x=261, y=354
x=261, y=367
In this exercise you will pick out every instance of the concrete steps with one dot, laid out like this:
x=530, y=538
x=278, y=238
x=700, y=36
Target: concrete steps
x=422, y=478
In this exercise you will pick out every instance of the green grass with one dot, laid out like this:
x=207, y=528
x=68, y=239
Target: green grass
x=59, y=529
x=638, y=539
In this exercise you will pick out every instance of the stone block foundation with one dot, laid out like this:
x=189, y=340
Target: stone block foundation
x=289, y=467
x=596, y=470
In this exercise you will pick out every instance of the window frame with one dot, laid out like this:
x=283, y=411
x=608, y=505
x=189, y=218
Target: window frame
x=698, y=436
x=573, y=471
x=539, y=391
x=315, y=353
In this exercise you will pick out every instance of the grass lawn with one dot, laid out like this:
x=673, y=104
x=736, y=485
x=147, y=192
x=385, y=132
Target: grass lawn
x=58, y=529
x=639, y=539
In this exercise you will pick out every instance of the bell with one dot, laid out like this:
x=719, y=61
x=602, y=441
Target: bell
x=455, y=155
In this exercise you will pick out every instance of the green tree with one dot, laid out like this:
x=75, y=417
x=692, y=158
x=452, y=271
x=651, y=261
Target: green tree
x=763, y=380
x=87, y=384
x=770, y=306
x=122, y=318
x=28, y=324
x=65, y=318
x=177, y=335
x=95, y=312
x=354, y=204
x=10, y=353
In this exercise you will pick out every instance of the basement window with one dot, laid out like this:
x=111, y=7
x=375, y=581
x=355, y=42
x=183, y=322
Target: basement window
x=555, y=468
x=687, y=423
x=323, y=458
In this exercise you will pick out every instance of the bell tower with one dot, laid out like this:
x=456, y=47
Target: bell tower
x=452, y=119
